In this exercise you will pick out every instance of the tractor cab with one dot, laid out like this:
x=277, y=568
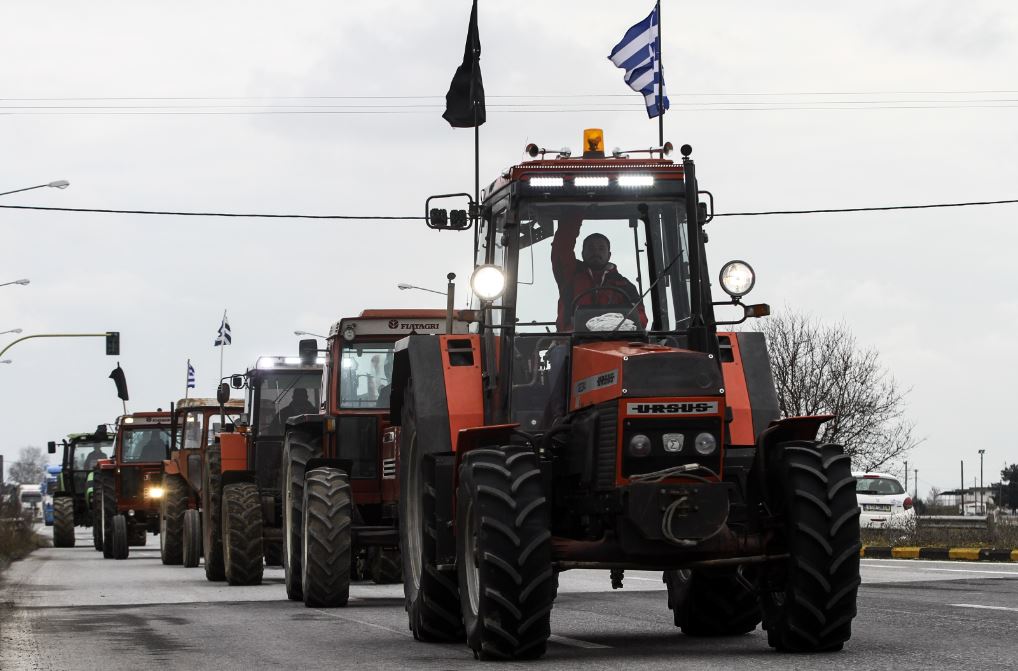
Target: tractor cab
x=72, y=493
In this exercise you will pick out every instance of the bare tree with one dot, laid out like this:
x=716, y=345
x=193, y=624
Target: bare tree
x=822, y=370
x=30, y=467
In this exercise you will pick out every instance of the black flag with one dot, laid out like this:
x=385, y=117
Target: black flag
x=120, y=380
x=464, y=103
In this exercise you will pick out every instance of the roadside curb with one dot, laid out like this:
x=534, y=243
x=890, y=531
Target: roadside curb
x=956, y=554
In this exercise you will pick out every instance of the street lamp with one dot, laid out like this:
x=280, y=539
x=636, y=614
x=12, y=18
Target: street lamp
x=404, y=286
x=11, y=331
x=6, y=361
x=21, y=282
x=59, y=184
x=300, y=333
x=982, y=495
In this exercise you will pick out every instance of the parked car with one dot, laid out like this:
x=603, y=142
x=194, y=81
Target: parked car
x=884, y=502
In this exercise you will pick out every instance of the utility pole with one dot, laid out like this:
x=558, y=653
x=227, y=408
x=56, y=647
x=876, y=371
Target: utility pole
x=982, y=497
x=916, y=485
x=961, y=489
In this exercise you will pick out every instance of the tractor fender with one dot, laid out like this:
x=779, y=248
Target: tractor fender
x=105, y=465
x=233, y=452
x=779, y=431
x=170, y=467
x=233, y=477
x=305, y=422
x=345, y=465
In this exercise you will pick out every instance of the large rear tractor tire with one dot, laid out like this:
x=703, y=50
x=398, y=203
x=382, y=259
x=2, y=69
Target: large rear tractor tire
x=243, y=557
x=211, y=514
x=712, y=603
x=171, y=519
x=191, y=550
x=63, y=522
x=328, y=528
x=296, y=453
x=432, y=596
x=813, y=489
x=120, y=546
x=384, y=566
x=108, y=501
x=503, y=554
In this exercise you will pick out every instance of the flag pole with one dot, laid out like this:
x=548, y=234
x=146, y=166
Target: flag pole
x=473, y=102
x=660, y=84
x=187, y=382
x=222, y=346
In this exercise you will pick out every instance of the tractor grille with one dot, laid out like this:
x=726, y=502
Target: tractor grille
x=607, y=435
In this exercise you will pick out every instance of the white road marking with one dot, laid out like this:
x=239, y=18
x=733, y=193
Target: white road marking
x=636, y=577
x=1013, y=574
x=576, y=643
x=973, y=605
x=336, y=615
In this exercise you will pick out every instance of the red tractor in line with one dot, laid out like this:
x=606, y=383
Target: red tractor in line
x=130, y=484
x=596, y=417
x=339, y=464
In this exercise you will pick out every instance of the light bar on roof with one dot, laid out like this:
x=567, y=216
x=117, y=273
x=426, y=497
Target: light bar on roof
x=636, y=180
x=546, y=181
x=590, y=180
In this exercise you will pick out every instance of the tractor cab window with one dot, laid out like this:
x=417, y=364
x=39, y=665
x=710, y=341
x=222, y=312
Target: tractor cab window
x=284, y=395
x=193, y=430
x=216, y=426
x=364, y=372
x=145, y=445
x=86, y=454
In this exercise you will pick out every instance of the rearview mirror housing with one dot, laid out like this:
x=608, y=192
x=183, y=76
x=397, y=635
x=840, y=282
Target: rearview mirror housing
x=308, y=350
x=237, y=381
x=223, y=393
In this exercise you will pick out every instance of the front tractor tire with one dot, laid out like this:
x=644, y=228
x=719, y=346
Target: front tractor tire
x=63, y=522
x=812, y=610
x=328, y=527
x=171, y=519
x=712, y=603
x=108, y=506
x=296, y=453
x=432, y=596
x=243, y=554
x=211, y=514
x=121, y=547
x=503, y=554
x=191, y=546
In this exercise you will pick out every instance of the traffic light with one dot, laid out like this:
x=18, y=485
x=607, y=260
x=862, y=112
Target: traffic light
x=113, y=343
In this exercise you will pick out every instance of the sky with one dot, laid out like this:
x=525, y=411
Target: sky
x=189, y=106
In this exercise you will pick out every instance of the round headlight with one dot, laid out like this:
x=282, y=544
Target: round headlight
x=706, y=443
x=639, y=445
x=737, y=278
x=488, y=282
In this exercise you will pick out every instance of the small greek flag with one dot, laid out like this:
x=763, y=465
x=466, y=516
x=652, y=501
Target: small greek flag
x=190, y=375
x=224, y=337
x=638, y=54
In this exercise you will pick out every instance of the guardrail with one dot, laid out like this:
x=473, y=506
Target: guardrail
x=961, y=522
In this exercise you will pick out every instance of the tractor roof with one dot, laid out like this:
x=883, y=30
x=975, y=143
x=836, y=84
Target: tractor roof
x=398, y=322
x=207, y=403
x=609, y=167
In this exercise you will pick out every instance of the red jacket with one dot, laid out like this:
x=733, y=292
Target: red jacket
x=574, y=277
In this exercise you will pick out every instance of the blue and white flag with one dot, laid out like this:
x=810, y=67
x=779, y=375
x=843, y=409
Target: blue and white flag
x=190, y=375
x=639, y=55
x=224, y=337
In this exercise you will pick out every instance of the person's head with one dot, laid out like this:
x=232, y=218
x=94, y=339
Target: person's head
x=596, y=251
x=300, y=395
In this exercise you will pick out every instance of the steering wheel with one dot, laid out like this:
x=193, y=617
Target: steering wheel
x=591, y=290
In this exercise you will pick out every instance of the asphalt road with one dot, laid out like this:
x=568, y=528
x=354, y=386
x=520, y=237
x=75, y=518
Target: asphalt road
x=71, y=609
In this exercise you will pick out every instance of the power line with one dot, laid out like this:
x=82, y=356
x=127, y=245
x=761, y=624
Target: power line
x=419, y=218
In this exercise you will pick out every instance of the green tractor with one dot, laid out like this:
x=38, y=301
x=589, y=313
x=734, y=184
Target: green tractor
x=72, y=505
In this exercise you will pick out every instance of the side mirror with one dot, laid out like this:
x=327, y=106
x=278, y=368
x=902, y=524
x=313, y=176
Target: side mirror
x=237, y=381
x=51, y=447
x=223, y=393
x=308, y=349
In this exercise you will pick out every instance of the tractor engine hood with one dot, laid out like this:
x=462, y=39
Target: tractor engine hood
x=604, y=371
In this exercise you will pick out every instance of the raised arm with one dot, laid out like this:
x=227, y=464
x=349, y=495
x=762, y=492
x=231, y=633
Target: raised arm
x=563, y=246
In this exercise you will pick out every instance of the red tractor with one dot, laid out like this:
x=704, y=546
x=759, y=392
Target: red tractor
x=196, y=425
x=596, y=418
x=339, y=465
x=130, y=484
x=241, y=505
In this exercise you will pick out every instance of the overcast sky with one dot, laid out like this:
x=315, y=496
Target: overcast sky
x=920, y=106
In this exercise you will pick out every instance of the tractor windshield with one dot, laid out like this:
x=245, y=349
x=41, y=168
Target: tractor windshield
x=87, y=453
x=597, y=263
x=364, y=375
x=145, y=444
x=284, y=395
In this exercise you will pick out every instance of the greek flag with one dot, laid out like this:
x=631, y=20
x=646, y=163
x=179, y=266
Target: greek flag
x=190, y=375
x=224, y=337
x=638, y=54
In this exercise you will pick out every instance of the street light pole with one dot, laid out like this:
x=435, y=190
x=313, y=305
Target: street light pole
x=21, y=282
x=56, y=335
x=58, y=184
x=302, y=333
x=11, y=331
x=404, y=286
